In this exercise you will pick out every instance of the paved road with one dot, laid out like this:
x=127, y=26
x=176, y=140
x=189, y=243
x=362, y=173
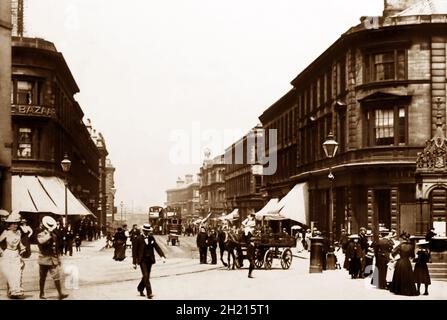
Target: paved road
x=183, y=278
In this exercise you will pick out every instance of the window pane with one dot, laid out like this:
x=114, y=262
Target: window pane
x=384, y=66
x=24, y=92
x=402, y=135
x=384, y=127
x=25, y=143
x=24, y=85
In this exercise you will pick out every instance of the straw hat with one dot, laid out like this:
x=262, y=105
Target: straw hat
x=14, y=217
x=354, y=236
x=422, y=242
x=49, y=223
x=147, y=227
x=4, y=213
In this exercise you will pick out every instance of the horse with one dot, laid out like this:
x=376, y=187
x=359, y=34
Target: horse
x=232, y=242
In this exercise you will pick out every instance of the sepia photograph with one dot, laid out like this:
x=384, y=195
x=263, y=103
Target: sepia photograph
x=238, y=152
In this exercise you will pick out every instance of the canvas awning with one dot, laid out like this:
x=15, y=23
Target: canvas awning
x=264, y=213
x=204, y=220
x=294, y=205
x=234, y=215
x=44, y=195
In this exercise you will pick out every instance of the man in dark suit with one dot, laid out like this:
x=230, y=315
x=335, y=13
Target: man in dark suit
x=143, y=255
x=202, y=244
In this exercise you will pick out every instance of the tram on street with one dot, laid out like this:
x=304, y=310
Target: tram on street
x=156, y=216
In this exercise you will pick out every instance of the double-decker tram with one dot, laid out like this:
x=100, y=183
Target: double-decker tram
x=156, y=219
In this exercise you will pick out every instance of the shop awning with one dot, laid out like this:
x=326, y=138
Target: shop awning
x=234, y=215
x=264, y=212
x=44, y=195
x=294, y=205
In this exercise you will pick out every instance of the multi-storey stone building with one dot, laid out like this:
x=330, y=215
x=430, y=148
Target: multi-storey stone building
x=184, y=198
x=5, y=105
x=381, y=89
x=212, y=186
x=243, y=174
x=47, y=124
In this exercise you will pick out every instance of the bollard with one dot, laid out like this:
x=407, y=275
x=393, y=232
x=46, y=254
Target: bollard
x=316, y=251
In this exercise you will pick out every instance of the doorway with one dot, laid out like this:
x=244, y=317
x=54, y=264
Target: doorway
x=438, y=209
x=383, y=205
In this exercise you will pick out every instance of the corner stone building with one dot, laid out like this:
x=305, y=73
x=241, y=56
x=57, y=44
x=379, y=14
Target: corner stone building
x=381, y=89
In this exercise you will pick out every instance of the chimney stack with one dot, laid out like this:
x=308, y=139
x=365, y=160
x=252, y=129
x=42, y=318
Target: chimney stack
x=188, y=178
x=393, y=7
x=180, y=182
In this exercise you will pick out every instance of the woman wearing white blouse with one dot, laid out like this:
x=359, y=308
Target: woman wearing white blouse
x=11, y=262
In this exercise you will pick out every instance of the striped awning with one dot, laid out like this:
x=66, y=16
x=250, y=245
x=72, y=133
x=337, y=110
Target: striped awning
x=44, y=195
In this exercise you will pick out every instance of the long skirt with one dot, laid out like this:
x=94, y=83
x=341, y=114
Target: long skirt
x=380, y=273
x=12, y=267
x=120, y=251
x=355, y=266
x=421, y=274
x=403, y=279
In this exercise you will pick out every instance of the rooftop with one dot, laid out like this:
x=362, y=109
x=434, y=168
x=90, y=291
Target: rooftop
x=425, y=7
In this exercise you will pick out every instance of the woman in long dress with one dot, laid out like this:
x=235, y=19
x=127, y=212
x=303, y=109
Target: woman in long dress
x=11, y=262
x=119, y=242
x=403, y=278
x=421, y=274
x=392, y=260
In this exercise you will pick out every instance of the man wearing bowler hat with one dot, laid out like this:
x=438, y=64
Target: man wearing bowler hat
x=49, y=256
x=143, y=254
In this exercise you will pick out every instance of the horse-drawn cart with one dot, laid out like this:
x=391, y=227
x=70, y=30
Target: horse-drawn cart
x=267, y=248
x=274, y=246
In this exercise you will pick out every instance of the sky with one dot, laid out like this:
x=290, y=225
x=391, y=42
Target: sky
x=158, y=77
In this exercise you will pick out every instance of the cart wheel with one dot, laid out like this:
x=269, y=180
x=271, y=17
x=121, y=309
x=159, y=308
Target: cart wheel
x=286, y=259
x=268, y=259
x=259, y=258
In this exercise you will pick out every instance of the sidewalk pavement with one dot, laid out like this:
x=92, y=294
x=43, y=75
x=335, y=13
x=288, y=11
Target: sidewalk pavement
x=94, y=266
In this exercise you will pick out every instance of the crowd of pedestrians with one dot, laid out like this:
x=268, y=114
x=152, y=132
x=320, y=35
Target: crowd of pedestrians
x=388, y=261
x=54, y=238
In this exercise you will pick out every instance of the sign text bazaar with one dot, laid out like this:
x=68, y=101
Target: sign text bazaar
x=33, y=110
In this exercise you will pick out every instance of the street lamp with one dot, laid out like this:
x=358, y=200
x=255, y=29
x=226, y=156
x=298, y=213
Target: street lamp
x=330, y=147
x=66, y=165
x=122, y=204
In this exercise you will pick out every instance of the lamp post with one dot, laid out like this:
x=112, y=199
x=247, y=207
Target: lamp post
x=66, y=165
x=122, y=204
x=330, y=147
